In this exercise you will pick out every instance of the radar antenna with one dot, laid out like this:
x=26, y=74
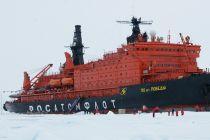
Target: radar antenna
x=136, y=30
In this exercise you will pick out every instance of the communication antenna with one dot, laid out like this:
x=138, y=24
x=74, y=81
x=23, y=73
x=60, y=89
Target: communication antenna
x=169, y=37
x=182, y=38
x=153, y=36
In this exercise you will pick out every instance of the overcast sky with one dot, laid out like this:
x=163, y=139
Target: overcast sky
x=34, y=33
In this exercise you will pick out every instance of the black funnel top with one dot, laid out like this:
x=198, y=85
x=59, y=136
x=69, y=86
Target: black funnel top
x=77, y=46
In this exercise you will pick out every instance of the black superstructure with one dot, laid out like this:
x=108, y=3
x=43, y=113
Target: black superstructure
x=136, y=32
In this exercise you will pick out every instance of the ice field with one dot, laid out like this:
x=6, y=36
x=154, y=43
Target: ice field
x=191, y=126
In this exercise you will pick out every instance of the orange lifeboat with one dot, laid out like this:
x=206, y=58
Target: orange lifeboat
x=67, y=81
x=55, y=83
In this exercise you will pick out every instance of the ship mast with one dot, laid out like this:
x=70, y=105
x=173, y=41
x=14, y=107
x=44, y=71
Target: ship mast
x=136, y=32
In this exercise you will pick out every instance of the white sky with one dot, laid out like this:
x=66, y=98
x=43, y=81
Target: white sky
x=33, y=33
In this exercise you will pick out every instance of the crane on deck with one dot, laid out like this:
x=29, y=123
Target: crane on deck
x=28, y=84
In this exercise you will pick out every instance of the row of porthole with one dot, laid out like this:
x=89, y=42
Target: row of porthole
x=105, y=76
x=167, y=65
x=100, y=71
x=166, y=49
x=110, y=68
x=109, y=83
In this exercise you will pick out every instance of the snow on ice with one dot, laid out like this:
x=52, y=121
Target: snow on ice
x=191, y=126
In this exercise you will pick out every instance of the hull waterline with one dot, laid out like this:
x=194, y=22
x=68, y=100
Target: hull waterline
x=190, y=91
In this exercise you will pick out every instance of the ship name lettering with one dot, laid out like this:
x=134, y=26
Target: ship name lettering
x=96, y=106
x=55, y=107
x=158, y=88
x=143, y=90
x=31, y=108
x=69, y=106
x=39, y=108
x=113, y=103
x=47, y=108
x=78, y=106
x=104, y=104
x=154, y=88
x=62, y=107
x=87, y=105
